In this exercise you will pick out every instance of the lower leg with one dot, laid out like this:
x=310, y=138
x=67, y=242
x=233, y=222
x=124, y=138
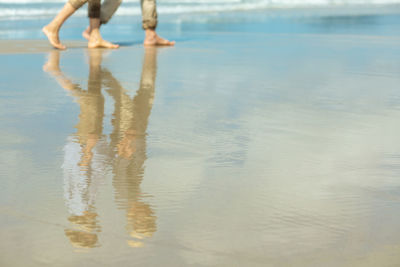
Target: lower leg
x=52, y=29
x=95, y=39
x=151, y=38
x=107, y=10
x=149, y=21
x=86, y=33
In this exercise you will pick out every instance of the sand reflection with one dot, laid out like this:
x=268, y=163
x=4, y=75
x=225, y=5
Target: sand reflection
x=128, y=141
x=84, y=162
x=87, y=155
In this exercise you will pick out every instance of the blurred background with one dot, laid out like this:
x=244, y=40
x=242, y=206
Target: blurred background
x=23, y=19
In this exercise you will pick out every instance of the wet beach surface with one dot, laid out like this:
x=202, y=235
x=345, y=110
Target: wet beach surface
x=279, y=151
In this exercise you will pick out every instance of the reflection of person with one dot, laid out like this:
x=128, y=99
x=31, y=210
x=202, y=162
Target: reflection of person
x=129, y=142
x=95, y=40
x=83, y=159
x=149, y=21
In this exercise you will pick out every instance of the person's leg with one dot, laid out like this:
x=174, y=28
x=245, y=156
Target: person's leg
x=108, y=8
x=52, y=29
x=149, y=16
x=149, y=19
x=95, y=39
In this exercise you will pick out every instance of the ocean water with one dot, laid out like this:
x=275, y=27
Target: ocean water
x=178, y=19
x=23, y=9
x=282, y=151
x=266, y=137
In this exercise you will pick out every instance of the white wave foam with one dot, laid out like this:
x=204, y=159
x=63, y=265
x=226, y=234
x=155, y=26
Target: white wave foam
x=183, y=6
x=21, y=2
x=216, y=2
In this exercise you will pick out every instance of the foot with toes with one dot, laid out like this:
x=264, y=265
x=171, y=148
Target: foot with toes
x=52, y=36
x=96, y=41
x=153, y=39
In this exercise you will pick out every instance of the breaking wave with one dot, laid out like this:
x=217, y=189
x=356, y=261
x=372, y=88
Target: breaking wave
x=20, y=9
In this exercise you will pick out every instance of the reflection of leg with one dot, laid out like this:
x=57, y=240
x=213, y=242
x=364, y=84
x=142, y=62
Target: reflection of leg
x=87, y=150
x=129, y=135
x=122, y=117
x=52, y=66
x=116, y=91
x=140, y=107
x=53, y=63
x=125, y=146
x=141, y=223
x=93, y=115
x=81, y=239
x=149, y=69
x=52, y=29
x=95, y=73
x=149, y=18
x=95, y=39
x=84, y=234
x=144, y=98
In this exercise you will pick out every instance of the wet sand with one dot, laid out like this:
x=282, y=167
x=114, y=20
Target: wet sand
x=282, y=151
x=34, y=46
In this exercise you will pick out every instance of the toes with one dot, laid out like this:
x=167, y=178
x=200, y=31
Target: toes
x=57, y=45
x=114, y=46
x=55, y=42
x=162, y=41
x=60, y=46
x=103, y=44
x=110, y=45
x=166, y=42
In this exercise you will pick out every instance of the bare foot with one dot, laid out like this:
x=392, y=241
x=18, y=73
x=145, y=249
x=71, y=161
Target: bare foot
x=100, y=43
x=152, y=39
x=52, y=35
x=86, y=33
x=96, y=41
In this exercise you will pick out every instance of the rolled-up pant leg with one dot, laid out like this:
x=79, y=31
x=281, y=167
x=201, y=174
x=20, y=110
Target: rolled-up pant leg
x=77, y=3
x=149, y=14
x=108, y=8
x=93, y=9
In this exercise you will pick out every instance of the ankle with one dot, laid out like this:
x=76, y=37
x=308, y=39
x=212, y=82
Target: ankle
x=95, y=36
x=150, y=33
x=51, y=27
x=95, y=33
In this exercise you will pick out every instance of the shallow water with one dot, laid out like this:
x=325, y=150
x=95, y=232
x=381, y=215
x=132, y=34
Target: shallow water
x=369, y=20
x=282, y=151
x=34, y=9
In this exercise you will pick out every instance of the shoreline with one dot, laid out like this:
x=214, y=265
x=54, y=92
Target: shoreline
x=21, y=46
x=33, y=46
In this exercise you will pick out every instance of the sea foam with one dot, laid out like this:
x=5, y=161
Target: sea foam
x=26, y=9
